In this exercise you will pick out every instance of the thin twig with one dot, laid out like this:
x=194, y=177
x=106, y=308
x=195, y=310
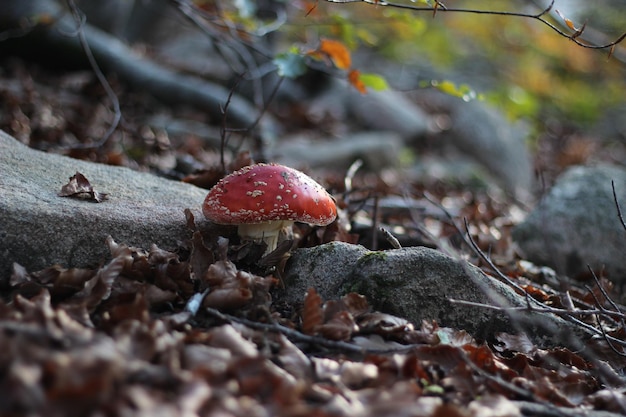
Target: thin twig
x=600, y=310
x=569, y=317
x=80, y=20
x=603, y=291
x=574, y=37
x=608, y=339
x=619, y=210
x=223, y=127
x=442, y=246
x=565, y=314
x=375, y=223
x=261, y=148
x=297, y=336
x=228, y=36
x=544, y=309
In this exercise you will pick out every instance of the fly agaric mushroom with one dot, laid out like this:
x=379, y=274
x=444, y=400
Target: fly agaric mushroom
x=263, y=199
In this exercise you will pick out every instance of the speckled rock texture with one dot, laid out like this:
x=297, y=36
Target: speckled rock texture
x=576, y=224
x=38, y=228
x=418, y=284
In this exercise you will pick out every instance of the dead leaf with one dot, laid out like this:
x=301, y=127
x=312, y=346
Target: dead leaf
x=354, y=78
x=356, y=375
x=201, y=257
x=340, y=327
x=228, y=337
x=80, y=187
x=227, y=298
x=356, y=303
x=382, y=324
x=311, y=312
x=336, y=51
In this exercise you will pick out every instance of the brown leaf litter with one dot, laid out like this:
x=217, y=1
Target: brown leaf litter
x=120, y=340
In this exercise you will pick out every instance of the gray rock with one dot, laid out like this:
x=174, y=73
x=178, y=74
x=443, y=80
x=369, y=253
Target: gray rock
x=378, y=150
x=476, y=130
x=417, y=284
x=389, y=110
x=576, y=224
x=484, y=133
x=38, y=228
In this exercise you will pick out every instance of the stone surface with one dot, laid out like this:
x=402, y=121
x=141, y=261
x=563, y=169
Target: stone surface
x=477, y=132
x=576, y=224
x=488, y=137
x=378, y=150
x=38, y=228
x=417, y=284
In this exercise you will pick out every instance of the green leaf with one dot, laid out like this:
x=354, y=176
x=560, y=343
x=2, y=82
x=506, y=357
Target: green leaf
x=290, y=64
x=374, y=81
x=463, y=91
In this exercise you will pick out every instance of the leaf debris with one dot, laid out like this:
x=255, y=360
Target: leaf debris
x=80, y=187
x=121, y=338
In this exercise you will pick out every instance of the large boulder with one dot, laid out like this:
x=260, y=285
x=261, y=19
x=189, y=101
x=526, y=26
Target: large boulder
x=38, y=228
x=419, y=283
x=576, y=224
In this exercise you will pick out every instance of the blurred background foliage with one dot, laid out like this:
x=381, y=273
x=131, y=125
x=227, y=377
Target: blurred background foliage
x=515, y=63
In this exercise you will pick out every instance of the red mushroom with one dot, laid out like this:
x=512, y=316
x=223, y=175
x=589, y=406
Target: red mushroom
x=262, y=199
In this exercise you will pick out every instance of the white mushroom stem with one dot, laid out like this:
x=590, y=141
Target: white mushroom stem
x=267, y=232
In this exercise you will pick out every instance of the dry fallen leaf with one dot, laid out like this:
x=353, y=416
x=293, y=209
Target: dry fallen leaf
x=354, y=78
x=337, y=52
x=311, y=312
x=230, y=288
x=80, y=187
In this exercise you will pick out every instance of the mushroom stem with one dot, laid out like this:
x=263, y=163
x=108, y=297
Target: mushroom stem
x=267, y=232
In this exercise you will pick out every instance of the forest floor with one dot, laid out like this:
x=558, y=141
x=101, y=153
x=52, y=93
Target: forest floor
x=74, y=345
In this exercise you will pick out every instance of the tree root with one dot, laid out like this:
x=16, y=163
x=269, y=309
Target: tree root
x=57, y=41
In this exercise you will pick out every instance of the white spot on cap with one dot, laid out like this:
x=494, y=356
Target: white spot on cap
x=255, y=193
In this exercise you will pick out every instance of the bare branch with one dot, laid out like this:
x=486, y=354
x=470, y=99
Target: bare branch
x=295, y=335
x=541, y=17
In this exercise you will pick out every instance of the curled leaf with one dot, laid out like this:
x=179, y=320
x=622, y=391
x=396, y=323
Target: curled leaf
x=336, y=51
x=355, y=80
x=79, y=186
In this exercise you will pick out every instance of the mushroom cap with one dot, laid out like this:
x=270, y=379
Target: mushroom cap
x=268, y=192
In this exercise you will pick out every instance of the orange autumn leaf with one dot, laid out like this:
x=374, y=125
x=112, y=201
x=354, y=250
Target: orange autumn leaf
x=337, y=52
x=354, y=78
